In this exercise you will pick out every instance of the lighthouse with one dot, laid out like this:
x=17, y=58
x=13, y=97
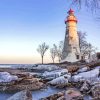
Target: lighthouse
x=71, y=49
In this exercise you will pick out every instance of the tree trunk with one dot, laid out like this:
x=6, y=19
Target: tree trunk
x=53, y=61
x=89, y=55
x=59, y=60
x=42, y=59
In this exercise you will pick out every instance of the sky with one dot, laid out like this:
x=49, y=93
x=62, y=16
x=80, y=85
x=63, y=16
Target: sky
x=24, y=24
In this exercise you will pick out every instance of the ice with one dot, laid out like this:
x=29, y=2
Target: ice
x=83, y=69
x=98, y=67
x=61, y=80
x=91, y=76
x=55, y=73
x=46, y=67
x=6, y=77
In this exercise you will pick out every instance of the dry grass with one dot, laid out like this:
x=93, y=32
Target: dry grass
x=72, y=68
x=93, y=64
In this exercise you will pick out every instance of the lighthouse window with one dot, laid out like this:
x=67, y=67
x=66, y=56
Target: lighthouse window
x=82, y=57
x=98, y=55
x=77, y=56
x=74, y=47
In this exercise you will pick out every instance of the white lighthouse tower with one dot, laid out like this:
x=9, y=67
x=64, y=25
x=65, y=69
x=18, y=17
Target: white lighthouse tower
x=71, y=50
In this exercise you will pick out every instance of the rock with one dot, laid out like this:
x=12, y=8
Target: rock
x=73, y=94
x=72, y=68
x=54, y=96
x=23, y=95
x=96, y=91
x=61, y=98
x=30, y=84
x=94, y=64
x=86, y=87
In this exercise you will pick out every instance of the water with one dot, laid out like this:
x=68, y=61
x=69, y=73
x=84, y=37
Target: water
x=40, y=94
x=5, y=96
x=45, y=93
x=35, y=94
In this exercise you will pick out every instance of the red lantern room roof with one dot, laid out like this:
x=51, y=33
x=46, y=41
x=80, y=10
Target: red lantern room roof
x=71, y=11
x=71, y=16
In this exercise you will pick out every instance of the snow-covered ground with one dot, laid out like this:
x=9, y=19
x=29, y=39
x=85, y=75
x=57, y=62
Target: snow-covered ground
x=6, y=77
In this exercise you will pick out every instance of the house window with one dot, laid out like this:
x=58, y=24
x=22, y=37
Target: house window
x=77, y=56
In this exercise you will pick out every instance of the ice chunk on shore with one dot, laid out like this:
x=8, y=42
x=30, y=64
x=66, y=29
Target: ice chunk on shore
x=90, y=76
x=61, y=80
x=55, y=73
x=7, y=77
x=83, y=69
x=98, y=67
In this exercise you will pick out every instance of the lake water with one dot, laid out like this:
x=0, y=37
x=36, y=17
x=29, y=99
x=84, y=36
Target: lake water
x=4, y=96
x=39, y=94
x=35, y=94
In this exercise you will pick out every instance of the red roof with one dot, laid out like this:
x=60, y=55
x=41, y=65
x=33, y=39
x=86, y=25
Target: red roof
x=70, y=11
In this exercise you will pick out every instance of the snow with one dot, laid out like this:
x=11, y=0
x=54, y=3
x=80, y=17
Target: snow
x=98, y=67
x=55, y=73
x=83, y=69
x=46, y=67
x=89, y=76
x=61, y=80
x=6, y=77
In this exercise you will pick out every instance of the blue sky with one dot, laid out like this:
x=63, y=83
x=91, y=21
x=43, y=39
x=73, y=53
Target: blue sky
x=24, y=24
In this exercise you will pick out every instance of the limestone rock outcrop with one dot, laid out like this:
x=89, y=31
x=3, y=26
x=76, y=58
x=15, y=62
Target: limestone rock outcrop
x=72, y=94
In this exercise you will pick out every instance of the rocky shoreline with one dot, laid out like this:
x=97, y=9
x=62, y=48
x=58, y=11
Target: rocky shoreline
x=79, y=81
x=24, y=81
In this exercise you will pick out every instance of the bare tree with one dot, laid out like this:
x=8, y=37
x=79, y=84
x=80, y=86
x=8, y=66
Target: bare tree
x=92, y=4
x=91, y=50
x=86, y=48
x=59, y=50
x=53, y=54
x=82, y=41
x=42, y=49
